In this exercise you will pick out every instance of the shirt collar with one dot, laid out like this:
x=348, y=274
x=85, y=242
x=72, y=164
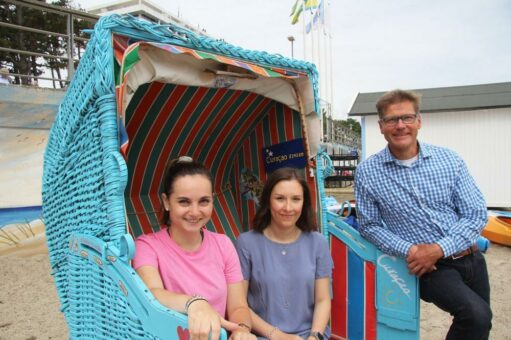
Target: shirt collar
x=424, y=152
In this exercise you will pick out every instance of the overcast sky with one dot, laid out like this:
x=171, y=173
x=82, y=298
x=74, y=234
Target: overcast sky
x=377, y=45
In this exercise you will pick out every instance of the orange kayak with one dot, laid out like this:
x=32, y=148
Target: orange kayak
x=498, y=230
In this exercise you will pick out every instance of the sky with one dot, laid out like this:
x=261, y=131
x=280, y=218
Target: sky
x=376, y=45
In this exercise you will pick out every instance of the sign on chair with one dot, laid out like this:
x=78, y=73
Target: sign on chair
x=288, y=154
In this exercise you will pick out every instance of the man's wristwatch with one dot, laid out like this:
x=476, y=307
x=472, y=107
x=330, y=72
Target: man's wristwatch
x=316, y=335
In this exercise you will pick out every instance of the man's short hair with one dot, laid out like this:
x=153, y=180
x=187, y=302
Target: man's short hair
x=397, y=96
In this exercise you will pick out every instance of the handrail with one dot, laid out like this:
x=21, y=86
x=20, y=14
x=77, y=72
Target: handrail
x=39, y=77
x=69, y=35
x=54, y=9
x=37, y=54
x=30, y=29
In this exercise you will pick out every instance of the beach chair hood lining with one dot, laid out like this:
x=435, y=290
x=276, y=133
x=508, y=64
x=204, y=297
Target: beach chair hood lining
x=159, y=65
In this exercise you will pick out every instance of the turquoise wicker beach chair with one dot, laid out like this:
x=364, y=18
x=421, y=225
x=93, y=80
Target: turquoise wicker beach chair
x=146, y=93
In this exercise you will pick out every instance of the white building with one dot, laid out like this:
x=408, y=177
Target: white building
x=474, y=121
x=142, y=9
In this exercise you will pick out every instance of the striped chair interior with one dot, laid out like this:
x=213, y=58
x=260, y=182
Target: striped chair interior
x=373, y=296
x=354, y=285
x=224, y=129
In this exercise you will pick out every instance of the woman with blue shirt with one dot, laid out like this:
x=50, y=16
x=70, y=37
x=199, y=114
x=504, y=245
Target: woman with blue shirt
x=286, y=265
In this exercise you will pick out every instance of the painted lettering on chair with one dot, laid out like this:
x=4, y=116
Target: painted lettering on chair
x=394, y=275
x=286, y=154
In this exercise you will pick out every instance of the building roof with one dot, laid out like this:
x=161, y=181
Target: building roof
x=456, y=98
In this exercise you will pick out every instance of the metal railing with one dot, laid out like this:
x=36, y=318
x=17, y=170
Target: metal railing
x=70, y=55
x=341, y=134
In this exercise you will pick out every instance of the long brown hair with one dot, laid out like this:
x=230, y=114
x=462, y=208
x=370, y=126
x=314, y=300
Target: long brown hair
x=179, y=167
x=306, y=222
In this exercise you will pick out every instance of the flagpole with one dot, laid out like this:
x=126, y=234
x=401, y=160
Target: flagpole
x=325, y=32
x=318, y=53
x=304, y=35
x=330, y=54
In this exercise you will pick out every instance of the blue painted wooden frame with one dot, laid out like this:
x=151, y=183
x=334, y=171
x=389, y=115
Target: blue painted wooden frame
x=397, y=292
x=156, y=319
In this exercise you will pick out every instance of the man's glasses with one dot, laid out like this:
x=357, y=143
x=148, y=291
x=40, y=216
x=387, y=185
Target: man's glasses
x=406, y=119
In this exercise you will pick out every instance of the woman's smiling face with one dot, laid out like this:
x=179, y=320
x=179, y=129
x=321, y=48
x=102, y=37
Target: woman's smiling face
x=190, y=202
x=286, y=203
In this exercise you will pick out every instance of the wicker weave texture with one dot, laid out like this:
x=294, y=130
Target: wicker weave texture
x=98, y=308
x=83, y=183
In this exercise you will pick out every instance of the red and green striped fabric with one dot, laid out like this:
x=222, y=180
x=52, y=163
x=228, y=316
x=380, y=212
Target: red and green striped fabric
x=225, y=129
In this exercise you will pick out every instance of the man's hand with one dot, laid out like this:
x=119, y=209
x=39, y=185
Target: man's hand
x=422, y=258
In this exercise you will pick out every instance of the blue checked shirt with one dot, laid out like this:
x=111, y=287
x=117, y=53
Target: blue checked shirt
x=435, y=200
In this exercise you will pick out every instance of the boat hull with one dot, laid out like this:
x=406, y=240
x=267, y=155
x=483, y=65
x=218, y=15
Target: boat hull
x=498, y=230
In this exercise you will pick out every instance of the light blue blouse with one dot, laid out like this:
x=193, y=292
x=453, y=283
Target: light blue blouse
x=282, y=276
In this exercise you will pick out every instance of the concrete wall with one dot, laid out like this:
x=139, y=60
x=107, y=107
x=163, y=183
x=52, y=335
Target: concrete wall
x=481, y=137
x=26, y=115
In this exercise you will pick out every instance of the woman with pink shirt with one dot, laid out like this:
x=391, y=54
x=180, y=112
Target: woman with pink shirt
x=187, y=267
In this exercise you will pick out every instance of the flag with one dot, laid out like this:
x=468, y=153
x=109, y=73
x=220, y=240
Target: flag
x=293, y=10
x=296, y=11
x=318, y=16
x=311, y=4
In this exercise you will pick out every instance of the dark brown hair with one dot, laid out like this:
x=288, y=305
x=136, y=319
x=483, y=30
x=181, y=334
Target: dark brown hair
x=397, y=96
x=306, y=221
x=179, y=167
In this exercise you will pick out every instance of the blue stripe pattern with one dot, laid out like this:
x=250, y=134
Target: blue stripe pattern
x=356, y=296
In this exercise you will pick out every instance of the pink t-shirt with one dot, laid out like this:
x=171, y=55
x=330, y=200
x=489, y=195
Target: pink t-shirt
x=206, y=271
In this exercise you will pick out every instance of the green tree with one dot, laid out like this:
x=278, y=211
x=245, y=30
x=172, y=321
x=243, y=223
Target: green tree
x=20, y=40
x=37, y=42
x=351, y=124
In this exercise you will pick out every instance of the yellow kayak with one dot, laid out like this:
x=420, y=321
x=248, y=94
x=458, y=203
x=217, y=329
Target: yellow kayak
x=498, y=230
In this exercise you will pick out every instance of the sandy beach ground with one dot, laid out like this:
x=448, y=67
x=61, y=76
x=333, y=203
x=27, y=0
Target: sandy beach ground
x=29, y=306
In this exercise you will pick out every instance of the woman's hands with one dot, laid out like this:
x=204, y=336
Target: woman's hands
x=238, y=332
x=240, y=324
x=203, y=319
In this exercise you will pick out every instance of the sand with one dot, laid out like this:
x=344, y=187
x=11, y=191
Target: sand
x=29, y=306
x=435, y=322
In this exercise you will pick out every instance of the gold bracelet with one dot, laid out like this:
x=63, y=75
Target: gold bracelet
x=270, y=333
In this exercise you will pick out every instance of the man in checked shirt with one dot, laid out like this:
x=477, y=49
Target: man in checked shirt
x=418, y=201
